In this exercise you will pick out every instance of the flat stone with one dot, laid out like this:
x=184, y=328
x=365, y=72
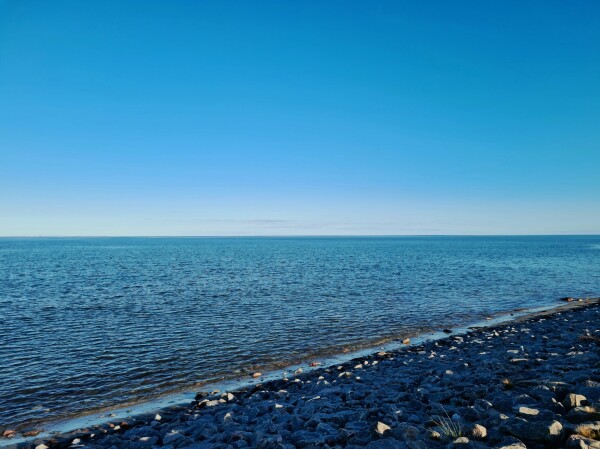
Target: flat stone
x=32, y=433
x=172, y=437
x=526, y=411
x=387, y=443
x=533, y=431
x=8, y=433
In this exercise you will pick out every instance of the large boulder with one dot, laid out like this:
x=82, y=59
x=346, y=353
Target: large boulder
x=542, y=431
x=581, y=442
x=583, y=414
x=573, y=400
x=588, y=429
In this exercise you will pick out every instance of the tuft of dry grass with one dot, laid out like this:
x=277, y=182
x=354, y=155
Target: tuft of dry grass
x=448, y=427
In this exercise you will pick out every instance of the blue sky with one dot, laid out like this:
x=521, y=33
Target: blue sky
x=322, y=117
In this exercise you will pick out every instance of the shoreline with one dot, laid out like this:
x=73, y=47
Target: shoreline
x=179, y=402
x=326, y=357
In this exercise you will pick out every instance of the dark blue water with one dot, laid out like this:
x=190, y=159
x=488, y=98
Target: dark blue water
x=89, y=323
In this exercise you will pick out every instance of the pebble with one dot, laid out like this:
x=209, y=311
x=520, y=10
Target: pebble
x=382, y=428
x=479, y=432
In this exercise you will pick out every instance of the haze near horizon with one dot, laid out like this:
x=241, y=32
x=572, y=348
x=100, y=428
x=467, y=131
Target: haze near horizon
x=309, y=118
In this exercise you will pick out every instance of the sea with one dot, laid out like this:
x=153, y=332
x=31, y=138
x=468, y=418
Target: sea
x=87, y=324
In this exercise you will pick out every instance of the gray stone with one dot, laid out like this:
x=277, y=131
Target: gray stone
x=591, y=390
x=148, y=441
x=573, y=400
x=526, y=411
x=533, y=431
x=511, y=443
x=326, y=428
x=582, y=414
x=172, y=437
x=588, y=430
x=581, y=442
x=386, y=443
x=534, y=414
x=406, y=432
x=478, y=432
x=418, y=444
x=304, y=438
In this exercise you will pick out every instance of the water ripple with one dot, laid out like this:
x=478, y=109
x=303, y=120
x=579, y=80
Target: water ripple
x=89, y=323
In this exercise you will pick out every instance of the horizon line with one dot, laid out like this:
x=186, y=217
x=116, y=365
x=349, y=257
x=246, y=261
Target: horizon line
x=299, y=235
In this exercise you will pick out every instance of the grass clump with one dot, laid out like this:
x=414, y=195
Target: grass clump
x=448, y=427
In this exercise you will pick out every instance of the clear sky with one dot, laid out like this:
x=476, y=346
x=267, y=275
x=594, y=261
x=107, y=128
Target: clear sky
x=299, y=117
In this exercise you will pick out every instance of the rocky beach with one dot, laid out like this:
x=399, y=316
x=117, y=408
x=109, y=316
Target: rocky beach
x=533, y=382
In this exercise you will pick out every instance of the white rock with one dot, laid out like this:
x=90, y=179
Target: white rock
x=479, y=432
x=381, y=428
x=528, y=411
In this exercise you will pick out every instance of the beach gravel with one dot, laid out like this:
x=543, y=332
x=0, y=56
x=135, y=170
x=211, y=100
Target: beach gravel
x=530, y=383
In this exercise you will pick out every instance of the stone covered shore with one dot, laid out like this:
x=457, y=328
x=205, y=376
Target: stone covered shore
x=529, y=383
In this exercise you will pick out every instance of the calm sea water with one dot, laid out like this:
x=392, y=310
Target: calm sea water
x=94, y=322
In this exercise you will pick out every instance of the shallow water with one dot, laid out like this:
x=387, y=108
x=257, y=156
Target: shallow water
x=95, y=322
